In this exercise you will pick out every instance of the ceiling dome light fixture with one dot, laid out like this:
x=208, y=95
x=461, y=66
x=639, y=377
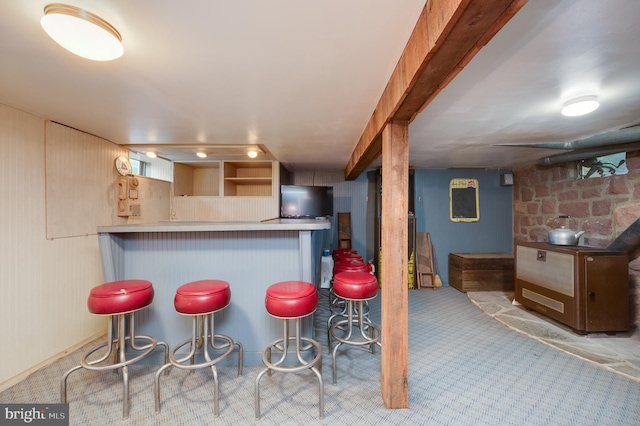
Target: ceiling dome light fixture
x=81, y=32
x=201, y=154
x=252, y=154
x=151, y=154
x=580, y=106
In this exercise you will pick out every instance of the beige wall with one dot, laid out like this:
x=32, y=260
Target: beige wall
x=45, y=281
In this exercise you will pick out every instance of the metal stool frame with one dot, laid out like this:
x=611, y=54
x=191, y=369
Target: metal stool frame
x=283, y=346
x=346, y=325
x=201, y=338
x=117, y=349
x=344, y=313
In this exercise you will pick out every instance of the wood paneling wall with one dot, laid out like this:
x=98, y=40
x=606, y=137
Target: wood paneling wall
x=155, y=200
x=183, y=180
x=162, y=170
x=206, y=181
x=77, y=178
x=224, y=208
x=45, y=282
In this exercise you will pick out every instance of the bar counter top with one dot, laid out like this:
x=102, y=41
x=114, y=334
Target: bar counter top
x=250, y=256
x=281, y=224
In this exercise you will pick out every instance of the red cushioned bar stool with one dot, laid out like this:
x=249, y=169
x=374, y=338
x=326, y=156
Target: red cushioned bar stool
x=292, y=300
x=201, y=300
x=119, y=300
x=337, y=306
x=354, y=287
x=348, y=264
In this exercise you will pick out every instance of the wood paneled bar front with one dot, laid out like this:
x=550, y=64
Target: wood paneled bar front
x=249, y=255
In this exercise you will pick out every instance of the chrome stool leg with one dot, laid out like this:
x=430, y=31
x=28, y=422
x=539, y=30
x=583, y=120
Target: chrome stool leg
x=116, y=345
x=202, y=337
x=283, y=345
x=343, y=332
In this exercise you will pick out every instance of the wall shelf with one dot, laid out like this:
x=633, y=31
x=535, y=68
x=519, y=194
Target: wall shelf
x=227, y=179
x=248, y=178
x=241, y=190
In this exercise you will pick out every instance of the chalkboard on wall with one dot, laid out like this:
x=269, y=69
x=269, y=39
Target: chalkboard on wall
x=463, y=200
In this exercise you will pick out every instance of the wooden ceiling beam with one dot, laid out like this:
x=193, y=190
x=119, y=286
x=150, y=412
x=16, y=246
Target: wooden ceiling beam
x=448, y=34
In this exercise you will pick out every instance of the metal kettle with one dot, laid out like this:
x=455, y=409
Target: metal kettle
x=563, y=236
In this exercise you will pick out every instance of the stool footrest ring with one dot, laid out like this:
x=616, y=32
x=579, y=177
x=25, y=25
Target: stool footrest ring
x=89, y=365
x=374, y=336
x=277, y=366
x=203, y=337
x=180, y=362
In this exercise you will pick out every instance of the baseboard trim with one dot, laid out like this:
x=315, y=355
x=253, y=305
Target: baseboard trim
x=20, y=377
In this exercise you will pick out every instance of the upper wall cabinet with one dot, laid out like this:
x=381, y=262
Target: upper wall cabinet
x=226, y=178
x=201, y=179
x=245, y=178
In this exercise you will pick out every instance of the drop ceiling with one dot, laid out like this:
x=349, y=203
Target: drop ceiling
x=301, y=79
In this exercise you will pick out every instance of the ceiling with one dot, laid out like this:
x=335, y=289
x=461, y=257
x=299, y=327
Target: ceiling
x=301, y=79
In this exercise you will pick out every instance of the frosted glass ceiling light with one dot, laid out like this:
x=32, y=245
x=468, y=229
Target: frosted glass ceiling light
x=82, y=32
x=151, y=154
x=252, y=154
x=201, y=154
x=580, y=106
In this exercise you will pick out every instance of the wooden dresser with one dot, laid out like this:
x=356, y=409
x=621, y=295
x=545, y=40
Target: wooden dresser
x=481, y=271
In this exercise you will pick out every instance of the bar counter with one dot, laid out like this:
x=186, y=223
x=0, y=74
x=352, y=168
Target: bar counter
x=249, y=255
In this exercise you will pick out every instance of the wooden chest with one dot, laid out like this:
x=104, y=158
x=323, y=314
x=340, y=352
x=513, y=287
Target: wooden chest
x=481, y=271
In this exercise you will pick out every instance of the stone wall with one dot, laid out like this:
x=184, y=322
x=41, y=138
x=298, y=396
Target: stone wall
x=602, y=207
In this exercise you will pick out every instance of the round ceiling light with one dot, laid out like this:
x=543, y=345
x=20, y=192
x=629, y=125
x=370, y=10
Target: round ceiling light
x=580, y=106
x=151, y=154
x=81, y=32
x=201, y=154
x=252, y=153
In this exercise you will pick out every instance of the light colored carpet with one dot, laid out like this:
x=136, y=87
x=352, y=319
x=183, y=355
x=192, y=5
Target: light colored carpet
x=465, y=368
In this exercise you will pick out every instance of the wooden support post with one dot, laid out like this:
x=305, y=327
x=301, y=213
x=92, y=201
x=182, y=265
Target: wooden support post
x=447, y=35
x=394, y=244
